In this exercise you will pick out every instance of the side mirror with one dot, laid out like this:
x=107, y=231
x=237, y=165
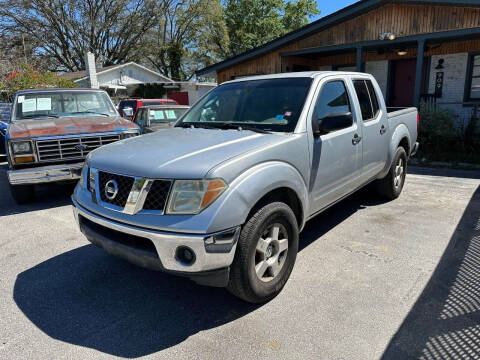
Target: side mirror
x=332, y=122
x=128, y=111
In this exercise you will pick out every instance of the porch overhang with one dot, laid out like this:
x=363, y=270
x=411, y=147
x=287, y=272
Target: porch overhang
x=453, y=35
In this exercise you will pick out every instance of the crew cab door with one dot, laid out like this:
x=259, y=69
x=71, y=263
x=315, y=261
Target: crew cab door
x=336, y=157
x=375, y=126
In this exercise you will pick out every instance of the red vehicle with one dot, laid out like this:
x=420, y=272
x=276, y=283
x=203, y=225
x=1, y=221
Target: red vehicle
x=135, y=104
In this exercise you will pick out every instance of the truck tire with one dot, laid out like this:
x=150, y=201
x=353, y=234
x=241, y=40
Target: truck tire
x=22, y=194
x=391, y=185
x=266, y=253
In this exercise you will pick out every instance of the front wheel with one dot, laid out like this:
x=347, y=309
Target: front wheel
x=391, y=185
x=266, y=253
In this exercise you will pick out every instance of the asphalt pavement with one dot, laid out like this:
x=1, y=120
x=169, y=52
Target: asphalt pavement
x=373, y=280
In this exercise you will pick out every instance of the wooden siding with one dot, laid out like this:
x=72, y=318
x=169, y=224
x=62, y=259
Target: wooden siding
x=401, y=19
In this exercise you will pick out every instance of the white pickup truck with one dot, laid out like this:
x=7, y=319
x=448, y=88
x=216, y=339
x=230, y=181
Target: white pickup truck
x=222, y=196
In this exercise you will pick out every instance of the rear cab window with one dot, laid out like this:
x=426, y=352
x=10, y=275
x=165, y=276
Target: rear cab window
x=128, y=103
x=367, y=98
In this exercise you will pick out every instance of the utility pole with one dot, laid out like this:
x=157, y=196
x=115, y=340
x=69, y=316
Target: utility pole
x=24, y=48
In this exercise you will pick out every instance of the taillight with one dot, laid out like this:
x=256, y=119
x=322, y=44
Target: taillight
x=418, y=122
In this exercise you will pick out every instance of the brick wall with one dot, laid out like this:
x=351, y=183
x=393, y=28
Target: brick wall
x=455, y=71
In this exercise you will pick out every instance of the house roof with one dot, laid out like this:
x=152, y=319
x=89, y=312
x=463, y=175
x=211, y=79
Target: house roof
x=81, y=75
x=75, y=75
x=340, y=16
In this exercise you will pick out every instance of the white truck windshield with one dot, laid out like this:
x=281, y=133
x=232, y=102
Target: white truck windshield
x=62, y=104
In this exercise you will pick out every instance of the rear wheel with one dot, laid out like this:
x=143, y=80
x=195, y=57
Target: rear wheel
x=391, y=185
x=266, y=253
x=22, y=194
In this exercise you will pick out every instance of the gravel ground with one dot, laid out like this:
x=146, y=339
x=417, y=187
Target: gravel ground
x=372, y=279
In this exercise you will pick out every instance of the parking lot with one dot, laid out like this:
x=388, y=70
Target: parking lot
x=372, y=280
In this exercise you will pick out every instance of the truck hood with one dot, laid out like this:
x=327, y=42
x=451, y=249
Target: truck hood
x=178, y=153
x=67, y=126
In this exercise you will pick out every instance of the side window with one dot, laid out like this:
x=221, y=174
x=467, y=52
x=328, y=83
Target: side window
x=373, y=98
x=138, y=117
x=144, y=116
x=332, y=99
x=363, y=99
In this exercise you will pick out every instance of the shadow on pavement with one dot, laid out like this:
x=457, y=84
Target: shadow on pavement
x=444, y=323
x=458, y=173
x=88, y=298
x=46, y=196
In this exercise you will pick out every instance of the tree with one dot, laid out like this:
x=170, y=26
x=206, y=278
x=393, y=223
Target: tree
x=63, y=31
x=27, y=77
x=252, y=23
x=189, y=34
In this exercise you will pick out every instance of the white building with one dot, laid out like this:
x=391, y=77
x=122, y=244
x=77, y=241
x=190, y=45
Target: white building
x=124, y=80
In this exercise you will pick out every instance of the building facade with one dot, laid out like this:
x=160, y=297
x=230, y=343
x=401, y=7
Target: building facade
x=123, y=80
x=416, y=49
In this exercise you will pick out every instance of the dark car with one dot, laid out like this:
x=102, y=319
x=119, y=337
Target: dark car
x=128, y=107
x=5, y=110
x=154, y=117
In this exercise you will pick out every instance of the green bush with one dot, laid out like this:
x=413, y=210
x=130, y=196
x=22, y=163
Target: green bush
x=441, y=140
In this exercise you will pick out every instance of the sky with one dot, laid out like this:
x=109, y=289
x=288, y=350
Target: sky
x=329, y=6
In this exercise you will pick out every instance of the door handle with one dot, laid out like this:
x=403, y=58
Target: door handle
x=356, y=139
x=383, y=130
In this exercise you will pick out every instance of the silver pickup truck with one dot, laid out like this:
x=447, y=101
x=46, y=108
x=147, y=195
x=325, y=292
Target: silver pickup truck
x=222, y=196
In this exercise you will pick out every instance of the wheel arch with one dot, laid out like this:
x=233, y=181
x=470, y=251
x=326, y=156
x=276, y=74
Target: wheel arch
x=273, y=180
x=285, y=195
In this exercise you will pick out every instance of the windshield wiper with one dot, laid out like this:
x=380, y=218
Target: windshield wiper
x=89, y=112
x=38, y=115
x=242, y=127
x=196, y=125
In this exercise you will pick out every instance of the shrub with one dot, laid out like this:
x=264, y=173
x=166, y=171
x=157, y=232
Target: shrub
x=441, y=140
x=29, y=78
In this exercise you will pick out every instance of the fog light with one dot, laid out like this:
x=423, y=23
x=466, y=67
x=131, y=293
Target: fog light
x=185, y=255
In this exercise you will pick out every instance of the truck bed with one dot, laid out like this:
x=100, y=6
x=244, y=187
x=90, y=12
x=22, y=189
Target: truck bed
x=406, y=116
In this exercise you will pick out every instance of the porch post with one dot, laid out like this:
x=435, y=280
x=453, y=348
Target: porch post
x=418, y=74
x=359, y=59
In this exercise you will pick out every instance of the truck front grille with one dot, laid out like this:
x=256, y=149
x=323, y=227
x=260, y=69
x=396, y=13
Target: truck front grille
x=71, y=148
x=157, y=196
x=124, y=184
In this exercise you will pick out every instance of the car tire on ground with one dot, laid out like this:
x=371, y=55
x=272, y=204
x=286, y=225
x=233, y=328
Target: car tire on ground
x=22, y=194
x=391, y=185
x=266, y=253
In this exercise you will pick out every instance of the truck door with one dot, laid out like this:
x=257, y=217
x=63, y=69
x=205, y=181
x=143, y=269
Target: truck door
x=375, y=128
x=337, y=155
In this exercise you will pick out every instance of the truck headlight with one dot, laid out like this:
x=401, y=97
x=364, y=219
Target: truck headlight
x=192, y=196
x=22, y=147
x=129, y=134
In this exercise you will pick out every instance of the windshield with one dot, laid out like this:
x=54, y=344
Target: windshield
x=165, y=115
x=63, y=104
x=272, y=105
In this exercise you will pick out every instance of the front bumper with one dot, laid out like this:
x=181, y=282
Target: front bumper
x=45, y=174
x=156, y=250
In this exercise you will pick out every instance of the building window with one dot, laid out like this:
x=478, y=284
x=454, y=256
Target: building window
x=473, y=78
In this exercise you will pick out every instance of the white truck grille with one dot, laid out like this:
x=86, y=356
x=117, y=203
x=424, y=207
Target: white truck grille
x=71, y=148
